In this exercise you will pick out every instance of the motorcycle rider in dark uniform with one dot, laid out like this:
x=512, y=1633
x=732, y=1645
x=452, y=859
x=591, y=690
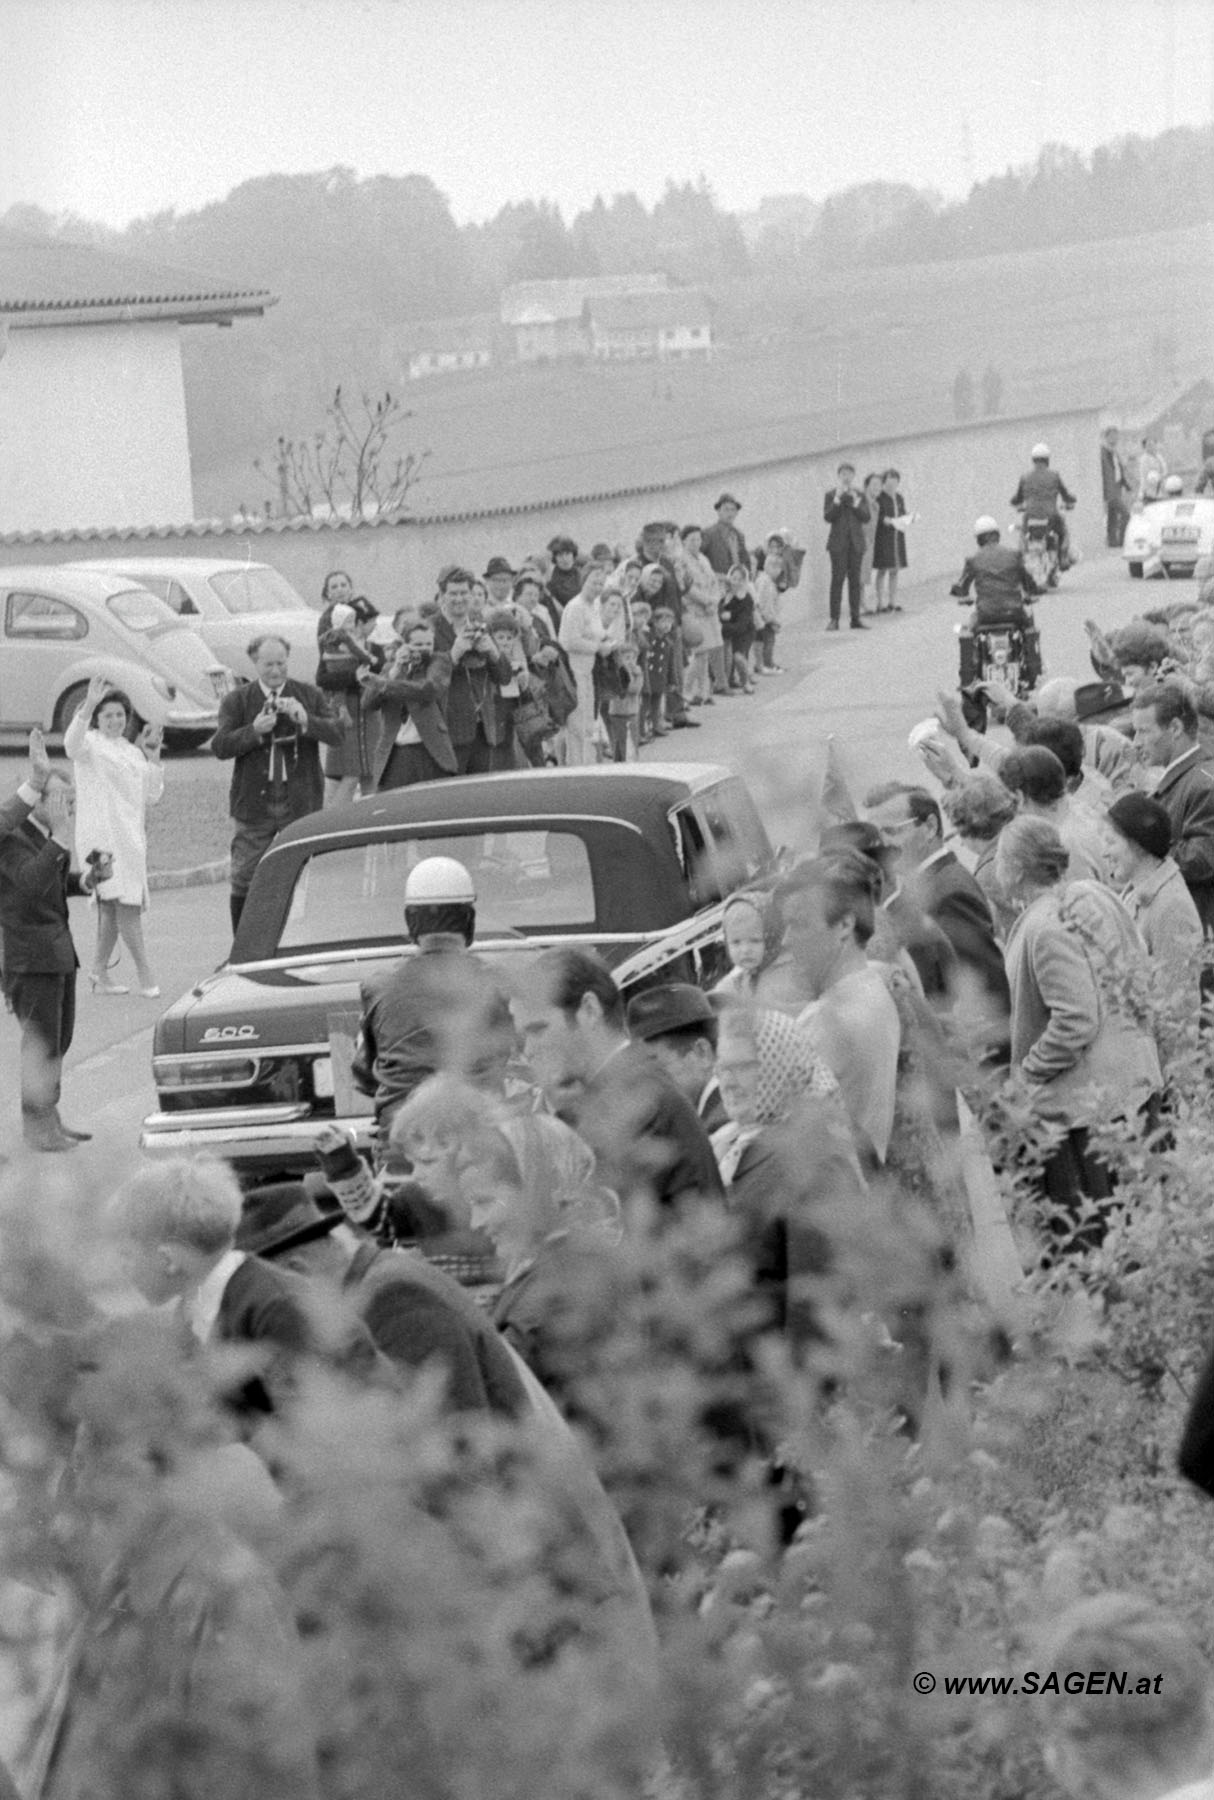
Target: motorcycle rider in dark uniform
x=1041, y=494
x=1001, y=584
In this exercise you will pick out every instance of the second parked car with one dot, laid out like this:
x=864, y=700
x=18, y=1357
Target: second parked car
x=228, y=604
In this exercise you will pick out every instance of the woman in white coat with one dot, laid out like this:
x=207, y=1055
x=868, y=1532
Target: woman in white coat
x=583, y=639
x=116, y=782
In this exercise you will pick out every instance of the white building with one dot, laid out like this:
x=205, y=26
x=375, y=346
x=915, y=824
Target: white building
x=547, y=318
x=92, y=402
x=667, y=327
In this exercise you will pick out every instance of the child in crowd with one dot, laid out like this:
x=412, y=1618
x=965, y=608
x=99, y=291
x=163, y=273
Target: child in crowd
x=503, y=627
x=768, y=591
x=737, y=614
x=762, y=972
x=657, y=673
x=617, y=675
x=346, y=661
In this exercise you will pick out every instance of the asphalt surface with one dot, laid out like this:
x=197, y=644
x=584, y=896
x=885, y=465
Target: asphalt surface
x=864, y=689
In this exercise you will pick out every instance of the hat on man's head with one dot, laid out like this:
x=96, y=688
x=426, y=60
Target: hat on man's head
x=1098, y=697
x=1144, y=821
x=498, y=565
x=282, y=1217
x=726, y=499
x=677, y=1006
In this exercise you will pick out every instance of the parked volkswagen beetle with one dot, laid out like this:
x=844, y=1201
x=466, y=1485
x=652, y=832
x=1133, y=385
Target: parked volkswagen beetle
x=61, y=625
x=228, y=603
x=634, y=862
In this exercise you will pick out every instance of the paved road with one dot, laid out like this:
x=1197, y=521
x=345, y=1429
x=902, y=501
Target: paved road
x=867, y=689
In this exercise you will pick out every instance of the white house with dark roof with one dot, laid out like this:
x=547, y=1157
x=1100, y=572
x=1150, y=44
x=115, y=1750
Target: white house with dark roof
x=547, y=318
x=92, y=403
x=675, y=326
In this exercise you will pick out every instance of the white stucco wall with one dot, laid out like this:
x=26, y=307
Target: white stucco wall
x=93, y=428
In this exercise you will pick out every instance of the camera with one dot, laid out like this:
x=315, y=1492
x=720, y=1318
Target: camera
x=98, y=856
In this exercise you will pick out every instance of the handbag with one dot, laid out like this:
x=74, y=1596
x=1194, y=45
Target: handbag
x=532, y=721
x=562, y=690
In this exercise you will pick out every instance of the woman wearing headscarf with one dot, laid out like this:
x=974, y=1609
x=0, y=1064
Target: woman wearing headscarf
x=785, y=1156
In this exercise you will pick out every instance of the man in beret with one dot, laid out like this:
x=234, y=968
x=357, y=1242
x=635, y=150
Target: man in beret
x=678, y=1026
x=723, y=543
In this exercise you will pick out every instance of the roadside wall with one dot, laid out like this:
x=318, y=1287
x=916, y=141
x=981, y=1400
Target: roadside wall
x=949, y=477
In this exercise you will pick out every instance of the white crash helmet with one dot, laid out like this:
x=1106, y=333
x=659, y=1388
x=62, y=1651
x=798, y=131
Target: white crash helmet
x=1041, y=453
x=439, y=881
x=985, y=524
x=1173, y=485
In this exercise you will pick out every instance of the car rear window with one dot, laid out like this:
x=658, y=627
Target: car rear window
x=138, y=610
x=257, y=589
x=526, y=881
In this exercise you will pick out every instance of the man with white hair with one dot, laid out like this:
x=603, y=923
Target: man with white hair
x=177, y=1221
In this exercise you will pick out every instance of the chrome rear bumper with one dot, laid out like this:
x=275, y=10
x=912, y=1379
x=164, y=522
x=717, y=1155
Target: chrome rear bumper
x=247, y=1135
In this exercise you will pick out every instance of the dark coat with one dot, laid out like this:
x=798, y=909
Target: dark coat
x=645, y=1134
x=717, y=547
x=847, y=521
x=1196, y=1457
x=1113, y=483
x=265, y=1306
x=424, y=1013
x=889, y=545
x=1187, y=794
x=421, y=697
x=950, y=896
x=416, y=1315
x=472, y=693
x=236, y=741
x=35, y=881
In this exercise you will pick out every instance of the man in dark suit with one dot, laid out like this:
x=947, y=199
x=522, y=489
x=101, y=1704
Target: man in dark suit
x=178, y=1220
x=944, y=892
x=645, y=1134
x=477, y=720
x=847, y=513
x=1115, y=487
x=39, y=959
x=723, y=544
x=678, y=1025
x=271, y=730
x=1165, y=736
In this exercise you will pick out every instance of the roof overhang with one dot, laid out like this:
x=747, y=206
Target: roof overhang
x=210, y=311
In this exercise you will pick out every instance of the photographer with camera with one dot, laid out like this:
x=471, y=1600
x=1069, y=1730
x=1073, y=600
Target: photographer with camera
x=411, y=694
x=478, y=723
x=847, y=512
x=271, y=730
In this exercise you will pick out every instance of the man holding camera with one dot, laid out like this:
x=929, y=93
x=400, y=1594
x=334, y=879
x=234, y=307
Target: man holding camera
x=847, y=513
x=478, y=723
x=271, y=729
x=39, y=957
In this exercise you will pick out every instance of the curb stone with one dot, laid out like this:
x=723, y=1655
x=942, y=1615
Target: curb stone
x=209, y=874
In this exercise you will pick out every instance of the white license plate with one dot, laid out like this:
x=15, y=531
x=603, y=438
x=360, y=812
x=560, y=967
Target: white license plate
x=1181, y=534
x=322, y=1078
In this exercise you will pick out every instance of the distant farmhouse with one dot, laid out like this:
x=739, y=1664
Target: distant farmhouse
x=92, y=401
x=444, y=346
x=610, y=317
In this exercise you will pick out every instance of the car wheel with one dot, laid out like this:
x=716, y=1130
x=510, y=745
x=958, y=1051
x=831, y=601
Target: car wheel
x=1135, y=569
x=68, y=707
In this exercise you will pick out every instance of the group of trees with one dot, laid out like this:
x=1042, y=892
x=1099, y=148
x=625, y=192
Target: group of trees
x=386, y=248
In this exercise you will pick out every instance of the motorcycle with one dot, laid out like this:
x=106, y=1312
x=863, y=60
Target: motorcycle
x=1006, y=656
x=1039, y=550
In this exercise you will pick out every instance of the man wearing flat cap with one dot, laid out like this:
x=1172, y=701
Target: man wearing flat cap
x=677, y=1024
x=723, y=544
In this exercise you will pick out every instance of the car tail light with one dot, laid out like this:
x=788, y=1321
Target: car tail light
x=203, y=1071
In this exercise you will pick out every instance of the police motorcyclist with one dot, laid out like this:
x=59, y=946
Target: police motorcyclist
x=1001, y=584
x=1041, y=494
x=436, y=1010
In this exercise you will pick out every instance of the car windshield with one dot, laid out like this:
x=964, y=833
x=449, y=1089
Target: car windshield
x=256, y=589
x=140, y=611
x=526, y=881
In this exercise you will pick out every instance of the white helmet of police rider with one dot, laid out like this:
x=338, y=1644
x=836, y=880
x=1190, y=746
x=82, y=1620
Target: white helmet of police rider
x=439, y=881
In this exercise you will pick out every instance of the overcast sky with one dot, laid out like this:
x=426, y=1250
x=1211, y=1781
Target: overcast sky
x=117, y=108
